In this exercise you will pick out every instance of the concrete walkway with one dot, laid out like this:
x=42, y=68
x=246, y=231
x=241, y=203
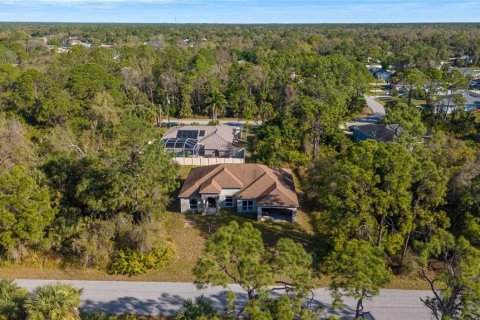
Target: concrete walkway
x=165, y=298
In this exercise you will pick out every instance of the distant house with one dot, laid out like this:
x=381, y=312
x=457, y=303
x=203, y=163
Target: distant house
x=379, y=132
x=73, y=41
x=76, y=42
x=385, y=75
x=467, y=72
x=463, y=60
x=63, y=49
x=447, y=103
x=247, y=188
x=474, y=84
x=401, y=86
x=203, y=141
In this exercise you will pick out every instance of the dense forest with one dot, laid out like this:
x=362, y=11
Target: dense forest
x=83, y=175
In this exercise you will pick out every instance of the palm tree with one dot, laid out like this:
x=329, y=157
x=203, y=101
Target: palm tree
x=54, y=302
x=12, y=298
x=216, y=103
x=200, y=308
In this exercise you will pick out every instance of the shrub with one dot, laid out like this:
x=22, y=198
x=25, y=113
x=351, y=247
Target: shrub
x=131, y=262
x=192, y=310
x=98, y=316
x=54, y=302
x=12, y=298
x=94, y=244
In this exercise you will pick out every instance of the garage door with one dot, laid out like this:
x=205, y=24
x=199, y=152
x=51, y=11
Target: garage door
x=277, y=214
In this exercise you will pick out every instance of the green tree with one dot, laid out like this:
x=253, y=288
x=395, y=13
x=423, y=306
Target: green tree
x=144, y=175
x=54, y=302
x=15, y=147
x=366, y=194
x=429, y=189
x=415, y=79
x=358, y=270
x=237, y=254
x=88, y=79
x=459, y=271
x=216, y=103
x=25, y=212
x=407, y=118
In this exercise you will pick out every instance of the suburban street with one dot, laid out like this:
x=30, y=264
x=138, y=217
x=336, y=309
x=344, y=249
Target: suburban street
x=165, y=298
x=226, y=122
x=377, y=116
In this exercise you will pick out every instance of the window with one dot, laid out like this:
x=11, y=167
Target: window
x=247, y=205
x=228, y=202
x=193, y=204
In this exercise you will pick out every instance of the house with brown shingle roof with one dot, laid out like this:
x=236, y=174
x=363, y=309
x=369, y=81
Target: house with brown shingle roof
x=248, y=188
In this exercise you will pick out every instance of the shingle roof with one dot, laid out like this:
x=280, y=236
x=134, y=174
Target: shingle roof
x=379, y=132
x=268, y=186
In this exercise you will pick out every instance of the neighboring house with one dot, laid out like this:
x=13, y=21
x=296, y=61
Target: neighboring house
x=380, y=73
x=474, y=84
x=202, y=141
x=72, y=41
x=63, y=49
x=467, y=72
x=436, y=89
x=463, y=60
x=401, y=86
x=447, y=104
x=379, y=132
x=385, y=75
x=268, y=193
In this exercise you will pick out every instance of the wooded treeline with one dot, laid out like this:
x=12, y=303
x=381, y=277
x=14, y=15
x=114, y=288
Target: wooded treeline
x=84, y=177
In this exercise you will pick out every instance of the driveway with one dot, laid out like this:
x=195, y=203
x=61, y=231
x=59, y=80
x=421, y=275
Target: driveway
x=165, y=298
x=376, y=117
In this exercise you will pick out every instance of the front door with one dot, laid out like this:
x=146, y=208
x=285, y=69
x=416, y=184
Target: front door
x=211, y=202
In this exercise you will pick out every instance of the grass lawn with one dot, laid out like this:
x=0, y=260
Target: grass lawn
x=419, y=102
x=383, y=101
x=188, y=233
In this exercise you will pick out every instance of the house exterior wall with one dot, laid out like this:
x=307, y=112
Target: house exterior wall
x=185, y=205
x=239, y=206
x=227, y=193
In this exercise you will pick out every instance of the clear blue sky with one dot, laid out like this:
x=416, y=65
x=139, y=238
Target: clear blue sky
x=241, y=11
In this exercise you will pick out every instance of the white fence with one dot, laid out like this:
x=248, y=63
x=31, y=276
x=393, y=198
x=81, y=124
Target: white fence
x=202, y=161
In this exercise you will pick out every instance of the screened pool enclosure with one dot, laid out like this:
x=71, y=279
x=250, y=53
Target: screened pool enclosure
x=182, y=147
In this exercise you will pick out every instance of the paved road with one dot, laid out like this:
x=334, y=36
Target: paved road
x=164, y=298
x=227, y=122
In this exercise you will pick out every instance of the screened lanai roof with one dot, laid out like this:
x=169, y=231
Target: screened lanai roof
x=210, y=137
x=180, y=143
